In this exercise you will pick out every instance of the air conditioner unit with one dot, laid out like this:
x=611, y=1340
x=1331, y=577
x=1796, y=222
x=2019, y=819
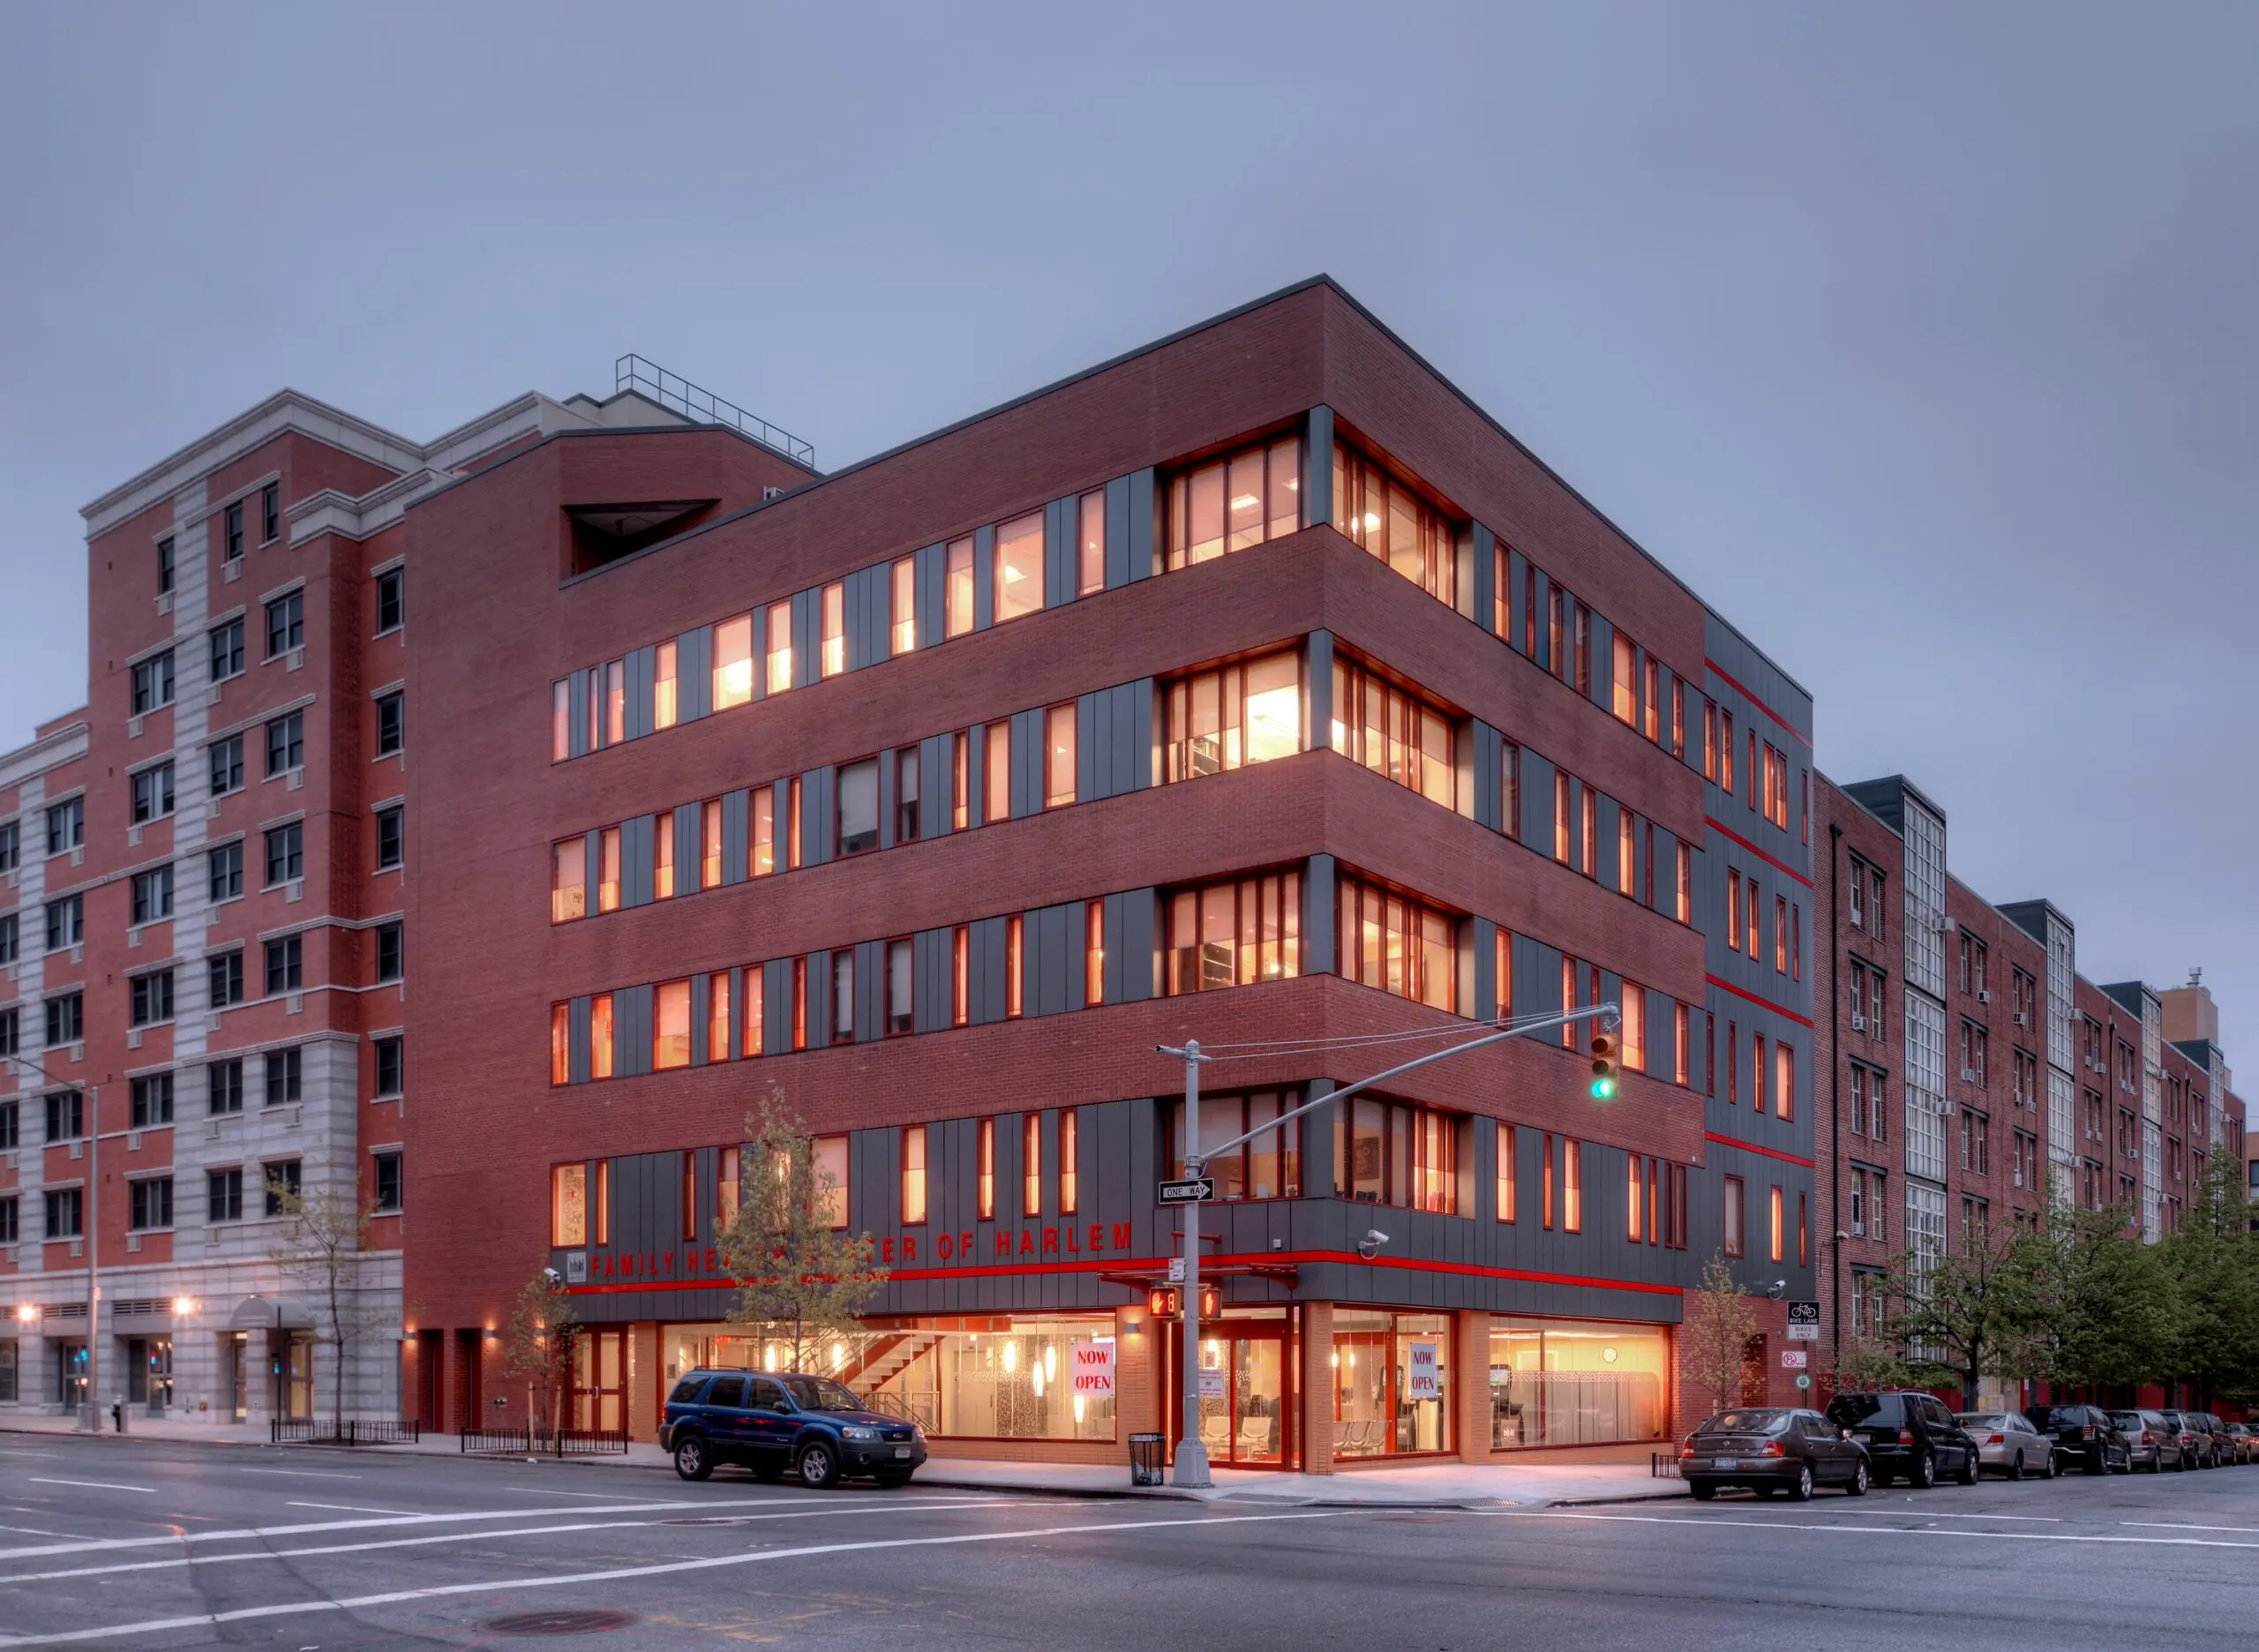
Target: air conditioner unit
x=1858, y=1022
x=133, y=1141
x=133, y=1038
x=77, y=1150
x=294, y=659
x=1984, y=995
x=294, y=1003
x=133, y=727
x=2023, y=1017
x=231, y=570
x=133, y=1241
x=133, y=936
x=1969, y=1075
x=295, y=780
x=164, y=601
x=294, y=890
x=212, y=695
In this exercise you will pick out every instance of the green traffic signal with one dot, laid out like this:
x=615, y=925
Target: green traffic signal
x=1604, y=1089
x=1604, y=1067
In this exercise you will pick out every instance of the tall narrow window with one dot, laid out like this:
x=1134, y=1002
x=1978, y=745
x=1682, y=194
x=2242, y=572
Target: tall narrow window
x=1678, y=719
x=615, y=703
x=1090, y=547
x=1572, y=1185
x=600, y=1036
x=665, y=697
x=1502, y=971
x=1685, y=884
x=568, y=1205
x=1683, y=1046
x=792, y=818
x=1545, y=1185
x=1094, y=952
x=761, y=832
x=1231, y=503
x=1502, y=590
x=902, y=636
x=858, y=809
x=1733, y=910
x=1752, y=769
x=1561, y=816
x=1016, y=586
x=560, y=1043
x=568, y=891
x=835, y=629
x=1627, y=857
x=777, y=668
x=1015, y=962
x=689, y=1200
x=1584, y=651
x=1059, y=756
x=1780, y=934
x=751, y=1043
x=1753, y=915
x=608, y=869
x=960, y=781
x=1734, y=1236
x=901, y=988
x=801, y=1002
x=913, y=1173
x=1725, y=751
x=906, y=819
x=1070, y=1161
x=1634, y=1017
x=843, y=996
x=561, y=720
x=1779, y=1224
x=1632, y=1201
x=1796, y=941
x=717, y=1016
x=996, y=781
x=1784, y=1080
x=601, y=1207
x=1569, y=1002
x=1510, y=788
x=1758, y=1075
x=733, y=663
x=960, y=975
x=1650, y=713
x=1589, y=837
x=1505, y=1177
x=710, y=844
x=1624, y=693
x=671, y=1024
x=1529, y=611
x=985, y=1187
x=663, y=856
x=1032, y=1164
x=728, y=1172
x=956, y=593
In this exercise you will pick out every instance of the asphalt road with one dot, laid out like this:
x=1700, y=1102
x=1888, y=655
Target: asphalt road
x=120, y=1543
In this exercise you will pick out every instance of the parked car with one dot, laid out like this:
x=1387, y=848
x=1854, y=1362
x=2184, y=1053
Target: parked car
x=2211, y=1433
x=2084, y=1435
x=2246, y=1443
x=2006, y=1441
x=1908, y=1435
x=771, y=1422
x=2193, y=1451
x=2154, y=1443
x=1770, y=1449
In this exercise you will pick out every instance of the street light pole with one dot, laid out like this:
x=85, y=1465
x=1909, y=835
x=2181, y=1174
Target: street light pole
x=1191, y=1455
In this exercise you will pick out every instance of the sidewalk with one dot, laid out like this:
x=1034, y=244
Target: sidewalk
x=1528, y=1483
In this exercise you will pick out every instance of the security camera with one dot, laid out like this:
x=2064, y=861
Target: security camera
x=552, y=1276
x=1369, y=1245
x=1778, y=1289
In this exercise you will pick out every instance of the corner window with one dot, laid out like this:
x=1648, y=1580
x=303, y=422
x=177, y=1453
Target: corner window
x=1233, y=933
x=1394, y=732
x=1391, y=1152
x=1268, y=1165
x=1218, y=720
x=1397, y=944
x=1231, y=503
x=1383, y=516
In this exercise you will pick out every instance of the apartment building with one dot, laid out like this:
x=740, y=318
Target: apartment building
x=1255, y=686
x=202, y=917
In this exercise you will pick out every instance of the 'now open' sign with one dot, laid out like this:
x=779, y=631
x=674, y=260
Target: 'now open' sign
x=1091, y=1366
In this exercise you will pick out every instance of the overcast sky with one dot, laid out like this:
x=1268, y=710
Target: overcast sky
x=1919, y=340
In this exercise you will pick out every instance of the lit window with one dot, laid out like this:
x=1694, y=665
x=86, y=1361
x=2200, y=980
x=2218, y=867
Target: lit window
x=600, y=1036
x=956, y=590
x=1266, y=1165
x=1388, y=1153
x=663, y=855
x=761, y=836
x=1505, y=971
x=1625, y=687
x=710, y=844
x=1032, y=1164
x=1682, y=1066
x=835, y=630
x=561, y=720
x=608, y=869
x=1647, y=702
x=960, y=781
x=1221, y=719
x=1397, y=944
x=1016, y=572
x=1633, y=1199
x=779, y=665
x=1090, y=545
x=560, y=1043
x=1784, y=1087
x=1070, y=1161
x=568, y=1205
x=913, y=1173
x=1685, y=884
x=1560, y=817
x=1572, y=1185
x=1626, y=852
x=1014, y=961
x=1634, y=1042
x=1231, y=503
x=1380, y=514
x=1590, y=840
x=985, y=1188
x=733, y=663
x=665, y=705
x=1233, y=933
x=1733, y=910
x=615, y=703
x=1059, y=756
x=671, y=1024
x=1394, y=732
x=717, y=1016
x=960, y=975
x=902, y=635
x=996, y=783
x=1506, y=1172
x=750, y=1045
x=1094, y=952
x=1780, y=934
x=1779, y=1224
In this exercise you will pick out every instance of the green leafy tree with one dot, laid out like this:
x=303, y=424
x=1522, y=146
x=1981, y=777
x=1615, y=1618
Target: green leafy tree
x=538, y=1346
x=1714, y=1335
x=801, y=1283
x=2210, y=1260
x=1969, y=1311
x=2104, y=1309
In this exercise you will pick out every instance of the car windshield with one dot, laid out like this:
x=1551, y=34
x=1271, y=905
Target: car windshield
x=1980, y=1419
x=819, y=1394
x=1747, y=1422
x=1851, y=1410
x=2126, y=1419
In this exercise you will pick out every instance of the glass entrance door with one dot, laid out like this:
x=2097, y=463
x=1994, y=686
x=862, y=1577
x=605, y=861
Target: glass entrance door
x=1247, y=1413
x=599, y=1378
x=156, y=1367
x=234, y=1358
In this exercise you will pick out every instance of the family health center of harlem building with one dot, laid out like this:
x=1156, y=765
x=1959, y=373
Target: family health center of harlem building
x=1254, y=686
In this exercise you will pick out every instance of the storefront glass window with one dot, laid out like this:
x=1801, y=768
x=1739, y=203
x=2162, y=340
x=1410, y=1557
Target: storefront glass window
x=1391, y=1384
x=1572, y=1382
x=1014, y=1382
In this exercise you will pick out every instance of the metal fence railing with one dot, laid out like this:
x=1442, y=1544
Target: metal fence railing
x=1663, y=1465
x=351, y=1431
x=533, y=1442
x=678, y=395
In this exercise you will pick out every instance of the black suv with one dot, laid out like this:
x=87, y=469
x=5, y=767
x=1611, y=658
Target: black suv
x=772, y=1423
x=2085, y=1435
x=1908, y=1435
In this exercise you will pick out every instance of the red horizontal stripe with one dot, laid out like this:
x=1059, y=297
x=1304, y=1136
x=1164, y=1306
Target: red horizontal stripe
x=1770, y=1152
x=1771, y=859
x=1269, y=1258
x=1727, y=986
x=1727, y=677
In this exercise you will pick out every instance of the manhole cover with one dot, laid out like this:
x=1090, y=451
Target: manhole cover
x=559, y=1623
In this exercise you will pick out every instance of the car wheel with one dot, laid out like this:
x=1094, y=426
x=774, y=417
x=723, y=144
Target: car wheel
x=1800, y=1487
x=819, y=1466
x=1703, y=1490
x=692, y=1459
x=1857, y=1485
x=1925, y=1471
x=1968, y=1473
x=2054, y=1466
x=2016, y=1468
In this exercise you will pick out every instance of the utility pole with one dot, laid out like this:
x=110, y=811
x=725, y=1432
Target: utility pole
x=1191, y=1450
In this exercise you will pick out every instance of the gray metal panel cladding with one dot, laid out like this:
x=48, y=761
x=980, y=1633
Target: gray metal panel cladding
x=776, y=1006
x=976, y=774
x=870, y=991
x=1141, y=755
x=637, y=712
x=1318, y=925
x=984, y=577
x=734, y=809
x=1517, y=598
x=1607, y=841
x=576, y=1038
x=1128, y=972
x=1536, y=802
x=594, y=841
x=932, y=980
x=861, y=587
x=635, y=861
x=984, y=972
x=819, y=801
x=1543, y=626
x=631, y=1031
x=1486, y=775
x=1092, y=746
x=1027, y=763
x=1054, y=943
x=1145, y=541
x=931, y=589
x=819, y=989
x=1485, y=570
x=576, y=711
x=807, y=636
x=694, y=673
x=1317, y=468
x=737, y=1010
x=935, y=784
x=1317, y=680
x=1059, y=581
x=1483, y=935
x=1537, y=978
x=1118, y=571
x=1603, y=661
x=689, y=850
x=702, y=1005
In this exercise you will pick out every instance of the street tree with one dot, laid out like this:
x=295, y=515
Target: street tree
x=538, y=1346
x=319, y=1243
x=1968, y=1309
x=1714, y=1335
x=800, y=1282
x=2210, y=1257
x=2104, y=1308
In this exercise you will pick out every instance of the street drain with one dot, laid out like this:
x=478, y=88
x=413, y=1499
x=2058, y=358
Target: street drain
x=559, y=1623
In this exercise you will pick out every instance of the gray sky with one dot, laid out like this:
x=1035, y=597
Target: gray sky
x=1918, y=340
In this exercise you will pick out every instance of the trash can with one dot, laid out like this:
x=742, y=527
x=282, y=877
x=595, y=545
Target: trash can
x=1145, y=1459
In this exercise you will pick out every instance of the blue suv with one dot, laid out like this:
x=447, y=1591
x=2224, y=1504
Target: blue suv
x=769, y=1423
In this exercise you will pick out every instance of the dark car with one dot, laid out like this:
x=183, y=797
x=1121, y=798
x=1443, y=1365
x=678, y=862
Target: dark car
x=2246, y=1443
x=2212, y=1437
x=2084, y=1436
x=1770, y=1449
x=2154, y=1443
x=769, y=1423
x=2193, y=1449
x=1908, y=1435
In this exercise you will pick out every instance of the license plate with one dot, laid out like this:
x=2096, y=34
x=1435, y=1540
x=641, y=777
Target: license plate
x=1727, y=1462
x=902, y=1451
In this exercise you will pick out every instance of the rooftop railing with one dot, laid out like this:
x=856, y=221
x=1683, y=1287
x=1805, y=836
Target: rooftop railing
x=678, y=395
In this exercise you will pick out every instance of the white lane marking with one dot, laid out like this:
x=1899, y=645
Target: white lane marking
x=13, y=1451
x=362, y=1603
x=2186, y=1525
x=351, y=1508
x=1864, y=1531
x=96, y=1485
x=447, y=1537
x=32, y=1551
x=594, y=1497
x=2052, y=1520
x=41, y=1531
x=304, y=1474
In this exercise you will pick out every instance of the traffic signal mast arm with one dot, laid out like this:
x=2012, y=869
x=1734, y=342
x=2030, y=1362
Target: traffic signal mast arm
x=1607, y=1014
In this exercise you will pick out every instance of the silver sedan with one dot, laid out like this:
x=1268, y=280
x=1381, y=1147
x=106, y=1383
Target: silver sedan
x=2007, y=1444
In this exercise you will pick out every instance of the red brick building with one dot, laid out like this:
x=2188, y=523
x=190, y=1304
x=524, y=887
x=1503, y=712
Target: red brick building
x=1253, y=688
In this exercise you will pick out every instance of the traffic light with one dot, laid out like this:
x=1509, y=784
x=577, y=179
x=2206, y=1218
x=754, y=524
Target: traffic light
x=1606, y=1074
x=1210, y=1303
x=1163, y=1303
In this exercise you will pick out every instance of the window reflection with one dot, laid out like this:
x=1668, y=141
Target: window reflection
x=1239, y=714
